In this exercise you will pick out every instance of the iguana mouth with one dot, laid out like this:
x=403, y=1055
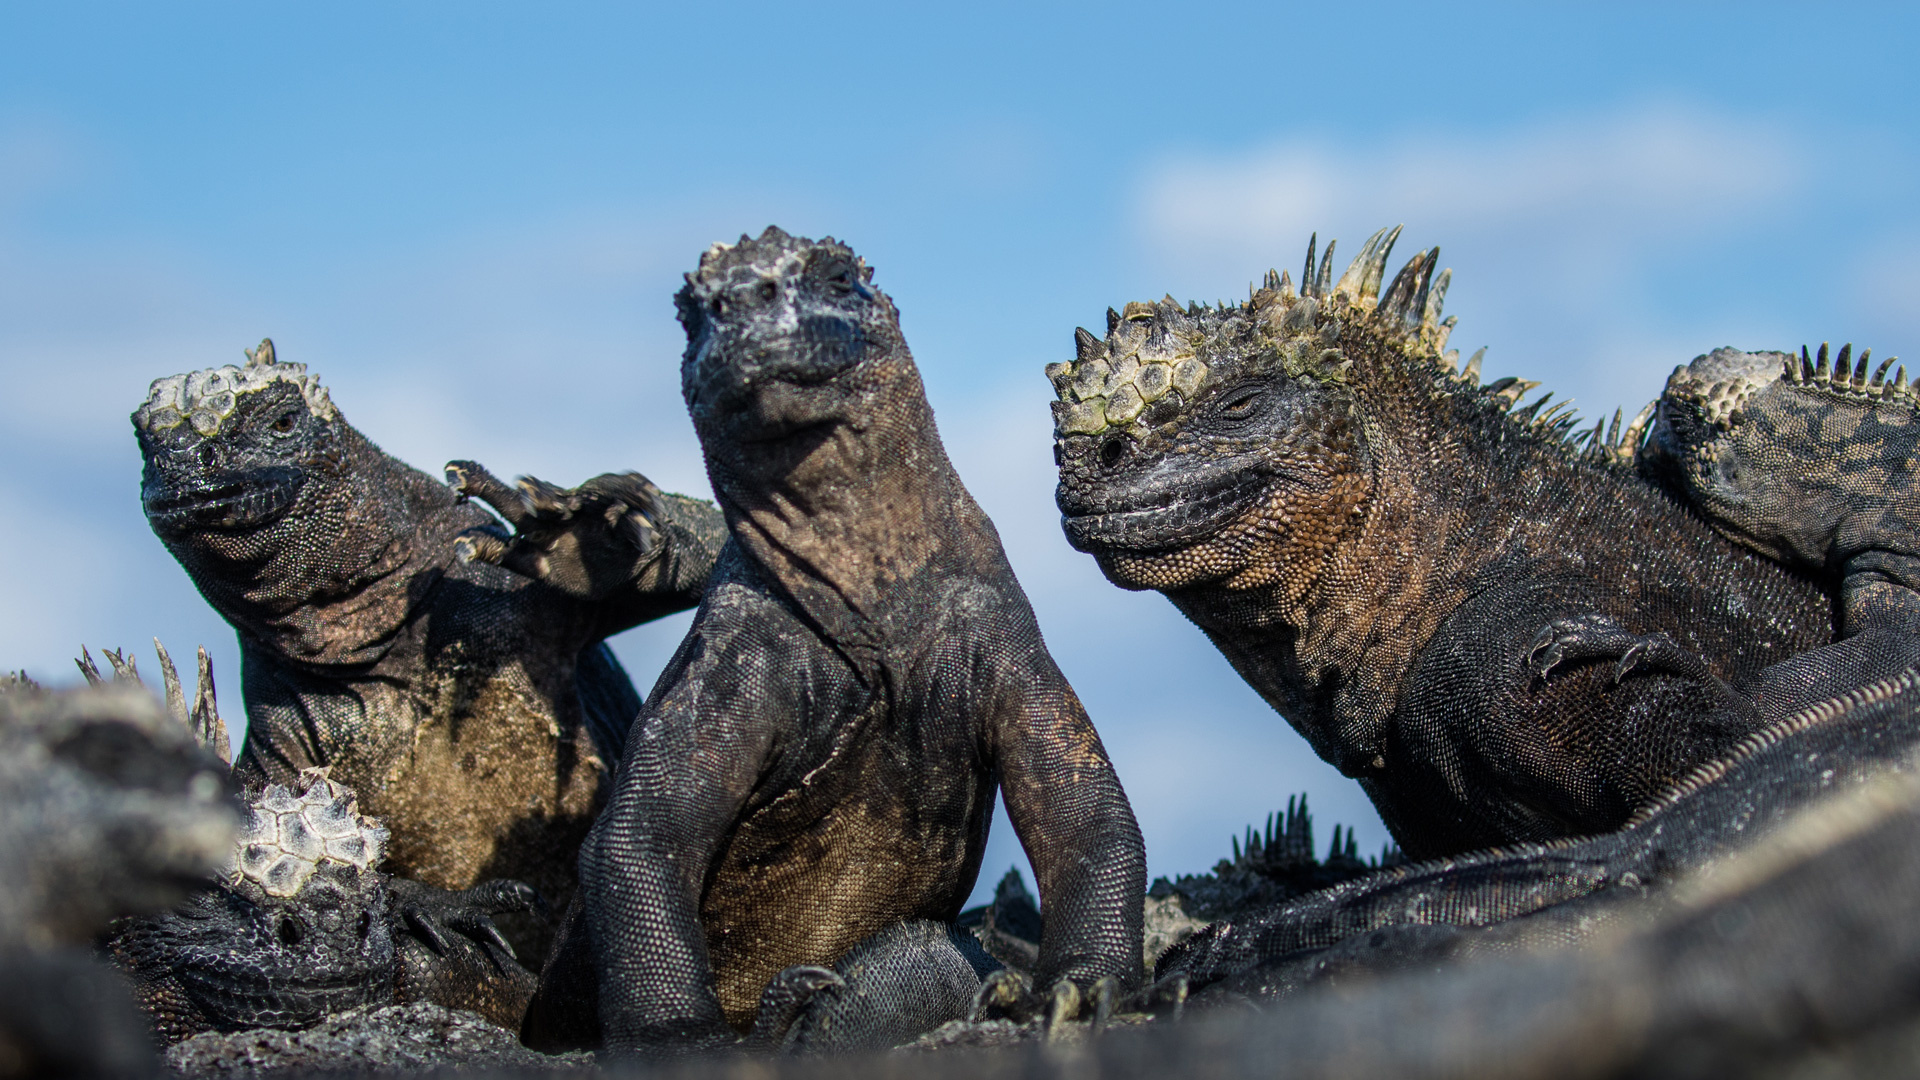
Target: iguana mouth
x=1150, y=516
x=230, y=502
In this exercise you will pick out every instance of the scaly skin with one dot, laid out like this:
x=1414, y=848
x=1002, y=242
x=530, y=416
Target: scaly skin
x=1803, y=461
x=1503, y=636
x=1810, y=463
x=474, y=711
x=819, y=761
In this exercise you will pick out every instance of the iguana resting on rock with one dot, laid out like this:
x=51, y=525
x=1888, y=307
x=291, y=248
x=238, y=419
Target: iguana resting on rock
x=1787, y=455
x=1810, y=463
x=107, y=808
x=474, y=711
x=1498, y=632
x=819, y=761
x=300, y=924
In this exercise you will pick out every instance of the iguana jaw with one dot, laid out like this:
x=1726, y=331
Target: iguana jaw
x=1150, y=513
x=229, y=502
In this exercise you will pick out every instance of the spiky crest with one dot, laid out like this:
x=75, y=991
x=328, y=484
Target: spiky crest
x=1814, y=374
x=1152, y=350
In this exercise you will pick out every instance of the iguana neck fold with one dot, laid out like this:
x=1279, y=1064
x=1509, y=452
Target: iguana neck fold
x=848, y=540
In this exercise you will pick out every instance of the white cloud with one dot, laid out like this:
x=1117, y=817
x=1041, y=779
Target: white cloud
x=1586, y=250
x=1644, y=173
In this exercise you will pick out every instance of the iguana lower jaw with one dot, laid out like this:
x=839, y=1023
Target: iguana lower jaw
x=1146, y=513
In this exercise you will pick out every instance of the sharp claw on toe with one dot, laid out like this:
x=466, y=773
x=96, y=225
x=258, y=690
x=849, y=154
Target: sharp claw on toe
x=429, y=931
x=1004, y=989
x=1063, y=1005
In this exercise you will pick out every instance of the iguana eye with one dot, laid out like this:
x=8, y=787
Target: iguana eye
x=1240, y=404
x=286, y=421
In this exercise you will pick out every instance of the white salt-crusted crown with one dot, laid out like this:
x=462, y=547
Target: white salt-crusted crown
x=289, y=836
x=205, y=398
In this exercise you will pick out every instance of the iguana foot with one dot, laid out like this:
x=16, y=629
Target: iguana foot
x=781, y=1003
x=1597, y=637
x=587, y=541
x=1010, y=994
x=431, y=913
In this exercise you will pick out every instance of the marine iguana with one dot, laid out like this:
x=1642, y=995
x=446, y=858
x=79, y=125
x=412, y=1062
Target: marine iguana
x=474, y=711
x=1376, y=542
x=818, y=763
x=1805, y=461
x=300, y=924
x=107, y=808
x=1809, y=462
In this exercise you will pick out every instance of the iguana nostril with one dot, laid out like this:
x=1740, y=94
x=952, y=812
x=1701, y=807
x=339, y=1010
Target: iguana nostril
x=289, y=932
x=1112, y=450
x=768, y=290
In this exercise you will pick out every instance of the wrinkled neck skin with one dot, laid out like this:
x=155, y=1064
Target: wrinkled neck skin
x=333, y=582
x=848, y=517
x=1330, y=649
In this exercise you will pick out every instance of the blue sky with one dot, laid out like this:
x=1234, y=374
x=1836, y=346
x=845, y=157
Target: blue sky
x=470, y=220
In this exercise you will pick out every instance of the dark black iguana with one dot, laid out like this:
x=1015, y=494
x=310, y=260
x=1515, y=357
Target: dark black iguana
x=1806, y=461
x=1376, y=542
x=474, y=711
x=819, y=761
x=108, y=808
x=1809, y=461
x=299, y=924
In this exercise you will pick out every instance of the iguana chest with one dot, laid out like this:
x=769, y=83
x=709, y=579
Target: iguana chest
x=886, y=822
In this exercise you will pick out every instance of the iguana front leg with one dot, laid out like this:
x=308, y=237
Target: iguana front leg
x=1078, y=830
x=616, y=542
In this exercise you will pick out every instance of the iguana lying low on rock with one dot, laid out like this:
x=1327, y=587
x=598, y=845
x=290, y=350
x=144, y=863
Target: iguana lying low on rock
x=474, y=711
x=1377, y=543
x=1809, y=462
x=818, y=763
x=300, y=924
x=108, y=808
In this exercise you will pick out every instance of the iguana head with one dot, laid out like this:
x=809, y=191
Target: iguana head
x=230, y=448
x=300, y=927
x=1207, y=443
x=1803, y=458
x=785, y=335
